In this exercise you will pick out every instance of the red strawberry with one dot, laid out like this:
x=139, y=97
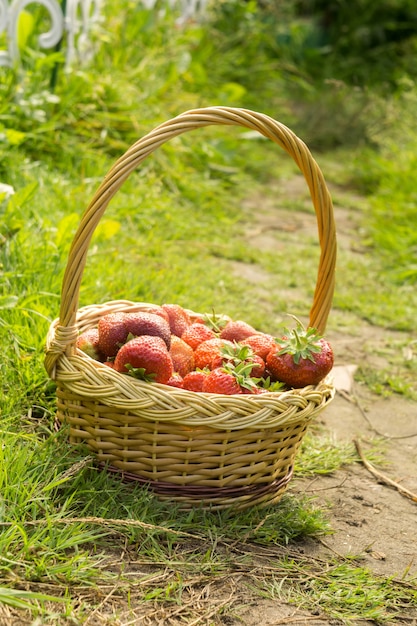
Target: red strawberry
x=207, y=350
x=194, y=380
x=236, y=331
x=142, y=323
x=182, y=356
x=112, y=333
x=220, y=381
x=158, y=310
x=218, y=361
x=199, y=319
x=261, y=344
x=88, y=343
x=178, y=318
x=236, y=355
x=302, y=358
x=258, y=369
x=196, y=333
x=145, y=357
x=175, y=381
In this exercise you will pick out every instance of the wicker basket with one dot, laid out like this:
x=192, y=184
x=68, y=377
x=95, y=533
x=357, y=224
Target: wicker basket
x=200, y=449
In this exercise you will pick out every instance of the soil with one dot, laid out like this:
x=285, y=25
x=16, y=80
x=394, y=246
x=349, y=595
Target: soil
x=368, y=516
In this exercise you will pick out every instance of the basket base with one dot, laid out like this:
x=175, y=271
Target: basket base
x=213, y=498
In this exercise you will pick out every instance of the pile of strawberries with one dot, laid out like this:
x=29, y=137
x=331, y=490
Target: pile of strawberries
x=206, y=354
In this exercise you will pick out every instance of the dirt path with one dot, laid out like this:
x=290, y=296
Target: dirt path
x=368, y=517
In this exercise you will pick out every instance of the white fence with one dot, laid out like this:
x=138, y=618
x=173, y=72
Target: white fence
x=75, y=24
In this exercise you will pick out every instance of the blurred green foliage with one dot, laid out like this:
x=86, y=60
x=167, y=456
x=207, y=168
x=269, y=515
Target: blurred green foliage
x=362, y=42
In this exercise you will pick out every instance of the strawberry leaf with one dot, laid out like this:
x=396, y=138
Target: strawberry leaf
x=140, y=373
x=266, y=383
x=301, y=343
x=215, y=322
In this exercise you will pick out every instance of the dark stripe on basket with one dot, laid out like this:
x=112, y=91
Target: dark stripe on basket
x=203, y=493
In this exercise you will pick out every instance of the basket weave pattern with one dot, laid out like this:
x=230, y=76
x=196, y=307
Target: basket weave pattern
x=194, y=448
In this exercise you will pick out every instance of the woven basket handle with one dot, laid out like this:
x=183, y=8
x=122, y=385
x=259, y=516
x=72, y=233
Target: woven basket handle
x=188, y=121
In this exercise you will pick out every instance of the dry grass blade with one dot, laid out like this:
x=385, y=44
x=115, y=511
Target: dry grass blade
x=99, y=606
x=381, y=477
x=297, y=620
x=104, y=521
x=214, y=607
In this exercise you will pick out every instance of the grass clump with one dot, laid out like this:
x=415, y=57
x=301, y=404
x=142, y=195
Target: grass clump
x=322, y=455
x=341, y=591
x=33, y=471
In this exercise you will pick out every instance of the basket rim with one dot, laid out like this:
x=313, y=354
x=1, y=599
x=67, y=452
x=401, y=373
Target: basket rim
x=80, y=378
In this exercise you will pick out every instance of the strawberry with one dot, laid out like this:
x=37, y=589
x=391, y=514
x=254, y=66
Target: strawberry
x=207, y=350
x=175, y=381
x=178, y=318
x=236, y=378
x=198, y=320
x=196, y=333
x=158, y=310
x=220, y=380
x=182, y=356
x=112, y=333
x=236, y=331
x=261, y=344
x=142, y=323
x=258, y=366
x=194, y=380
x=87, y=341
x=145, y=357
x=301, y=358
x=235, y=355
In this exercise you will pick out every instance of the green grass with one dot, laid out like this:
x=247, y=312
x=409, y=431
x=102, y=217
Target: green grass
x=343, y=591
x=67, y=530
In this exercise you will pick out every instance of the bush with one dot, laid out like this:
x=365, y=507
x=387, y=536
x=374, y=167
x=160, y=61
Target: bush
x=362, y=42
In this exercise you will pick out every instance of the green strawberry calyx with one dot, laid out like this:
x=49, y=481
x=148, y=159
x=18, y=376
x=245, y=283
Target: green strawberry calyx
x=242, y=373
x=301, y=343
x=140, y=373
x=267, y=383
x=237, y=354
x=215, y=322
x=239, y=363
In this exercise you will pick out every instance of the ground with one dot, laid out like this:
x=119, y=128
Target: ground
x=369, y=519
x=367, y=516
